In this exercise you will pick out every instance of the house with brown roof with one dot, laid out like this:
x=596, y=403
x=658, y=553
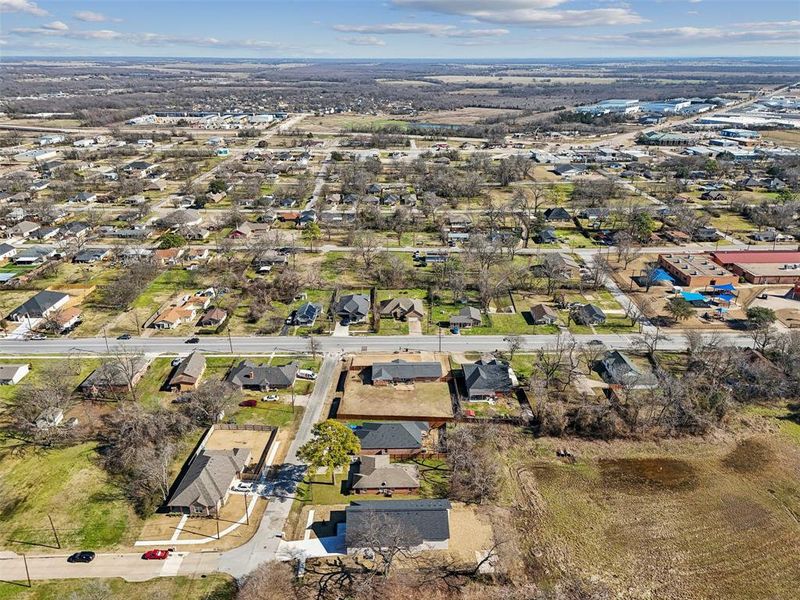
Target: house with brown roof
x=543, y=314
x=188, y=373
x=168, y=256
x=174, y=316
x=376, y=474
x=213, y=317
x=401, y=308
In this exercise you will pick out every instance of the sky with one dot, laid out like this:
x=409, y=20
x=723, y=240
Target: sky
x=437, y=29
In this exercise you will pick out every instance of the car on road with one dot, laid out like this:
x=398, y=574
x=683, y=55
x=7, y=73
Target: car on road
x=248, y=403
x=84, y=556
x=155, y=554
x=595, y=343
x=270, y=398
x=193, y=340
x=124, y=336
x=37, y=336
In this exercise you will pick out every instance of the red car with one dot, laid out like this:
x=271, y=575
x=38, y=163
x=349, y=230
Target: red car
x=248, y=403
x=155, y=555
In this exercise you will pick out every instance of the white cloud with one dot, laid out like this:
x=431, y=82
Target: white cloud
x=533, y=13
x=49, y=30
x=89, y=16
x=56, y=26
x=362, y=40
x=23, y=6
x=431, y=29
x=771, y=32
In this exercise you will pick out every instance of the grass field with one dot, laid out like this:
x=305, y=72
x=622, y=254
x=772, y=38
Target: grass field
x=689, y=518
x=211, y=587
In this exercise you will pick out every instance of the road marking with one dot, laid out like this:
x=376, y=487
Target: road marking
x=172, y=565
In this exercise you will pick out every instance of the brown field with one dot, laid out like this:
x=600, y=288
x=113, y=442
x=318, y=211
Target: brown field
x=679, y=519
x=225, y=439
x=431, y=400
x=517, y=79
x=464, y=116
x=788, y=137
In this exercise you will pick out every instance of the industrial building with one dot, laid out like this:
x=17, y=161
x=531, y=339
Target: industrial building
x=761, y=266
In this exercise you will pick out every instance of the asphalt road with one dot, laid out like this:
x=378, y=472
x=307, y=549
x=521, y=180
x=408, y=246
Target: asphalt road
x=262, y=345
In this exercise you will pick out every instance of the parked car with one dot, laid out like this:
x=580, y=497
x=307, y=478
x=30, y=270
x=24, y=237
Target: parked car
x=270, y=398
x=37, y=336
x=176, y=362
x=241, y=487
x=248, y=403
x=193, y=340
x=124, y=336
x=84, y=556
x=306, y=374
x=155, y=554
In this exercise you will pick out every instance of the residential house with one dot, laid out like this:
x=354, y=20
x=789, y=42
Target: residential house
x=118, y=376
x=12, y=374
x=556, y=214
x=188, y=373
x=543, y=314
x=568, y=170
x=168, y=256
x=83, y=197
x=174, y=316
x=33, y=255
x=39, y=306
x=396, y=438
x=546, y=236
x=252, y=376
x=45, y=233
x=352, y=308
x=403, y=372
x=487, y=378
x=423, y=524
x=77, y=229
x=66, y=318
x=376, y=474
x=23, y=229
x=401, y=308
x=307, y=314
x=589, y=314
x=705, y=234
x=7, y=251
x=469, y=316
x=714, y=196
x=92, y=255
x=617, y=369
x=206, y=484
x=213, y=317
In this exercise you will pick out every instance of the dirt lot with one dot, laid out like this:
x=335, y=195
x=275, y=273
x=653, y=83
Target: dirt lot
x=225, y=439
x=421, y=400
x=679, y=519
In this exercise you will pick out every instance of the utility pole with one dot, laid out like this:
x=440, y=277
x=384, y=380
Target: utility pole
x=216, y=518
x=105, y=337
x=55, y=533
x=230, y=341
x=440, y=340
x=246, y=512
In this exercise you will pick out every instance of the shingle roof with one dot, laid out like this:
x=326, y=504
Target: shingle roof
x=403, y=371
x=353, y=305
x=397, y=434
x=40, y=303
x=208, y=477
x=190, y=369
x=486, y=377
x=419, y=520
x=378, y=472
x=249, y=374
x=401, y=305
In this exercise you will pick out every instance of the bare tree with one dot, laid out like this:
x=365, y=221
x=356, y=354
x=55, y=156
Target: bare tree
x=209, y=402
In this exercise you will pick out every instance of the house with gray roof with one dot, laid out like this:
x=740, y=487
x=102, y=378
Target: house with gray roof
x=40, y=305
x=307, y=314
x=393, y=438
x=487, y=378
x=469, y=316
x=252, y=376
x=376, y=474
x=543, y=314
x=352, y=308
x=7, y=251
x=13, y=374
x=589, y=314
x=411, y=524
x=206, y=484
x=401, y=371
x=188, y=372
x=33, y=255
x=91, y=255
x=617, y=368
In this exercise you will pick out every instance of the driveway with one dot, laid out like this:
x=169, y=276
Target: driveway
x=414, y=327
x=341, y=330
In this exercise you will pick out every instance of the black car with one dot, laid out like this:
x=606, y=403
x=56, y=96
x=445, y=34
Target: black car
x=124, y=336
x=193, y=340
x=81, y=557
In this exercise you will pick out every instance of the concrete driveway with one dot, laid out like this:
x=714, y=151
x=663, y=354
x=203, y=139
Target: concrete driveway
x=341, y=330
x=414, y=327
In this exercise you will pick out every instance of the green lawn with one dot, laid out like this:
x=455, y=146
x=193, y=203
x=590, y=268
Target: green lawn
x=167, y=284
x=210, y=587
x=69, y=485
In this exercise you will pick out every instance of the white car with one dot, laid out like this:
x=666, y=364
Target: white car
x=306, y=374
x=270, y=398
x=241, y=487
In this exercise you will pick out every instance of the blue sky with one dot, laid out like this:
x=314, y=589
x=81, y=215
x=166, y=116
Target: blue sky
x=401, y=28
